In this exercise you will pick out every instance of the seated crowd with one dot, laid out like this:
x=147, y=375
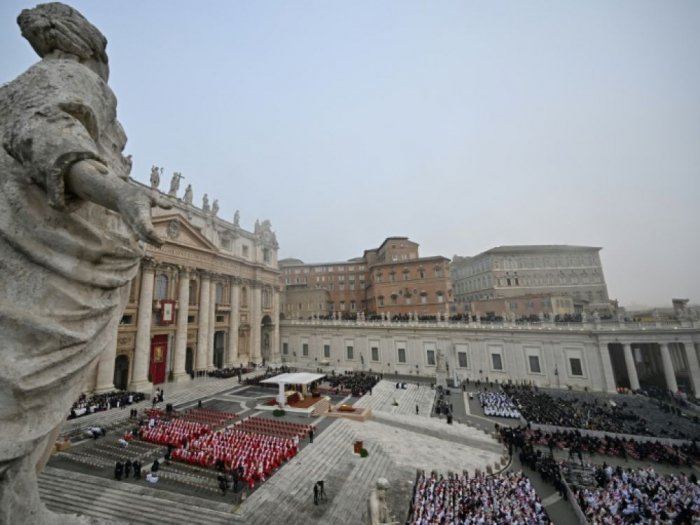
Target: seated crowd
x=257, y=455
x=640, y=496
x=622, y=414
x=506, y=498
x=498, y=404
x=355, y=383
x=98, y=402
x=225, y=373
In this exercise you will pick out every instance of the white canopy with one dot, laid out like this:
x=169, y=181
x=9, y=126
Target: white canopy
x=299, y=378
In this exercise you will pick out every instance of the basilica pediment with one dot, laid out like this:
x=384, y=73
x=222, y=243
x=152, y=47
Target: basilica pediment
x=175, y=229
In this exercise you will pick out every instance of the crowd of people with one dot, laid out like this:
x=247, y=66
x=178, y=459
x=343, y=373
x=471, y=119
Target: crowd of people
x=99, y=402
x=225, y=373
x=267, y=374
x=355, y=383
x=640, y=496
x=498, y=404
x=506, y=498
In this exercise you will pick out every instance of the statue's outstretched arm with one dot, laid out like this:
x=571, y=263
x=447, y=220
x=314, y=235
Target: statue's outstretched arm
x=92, y=181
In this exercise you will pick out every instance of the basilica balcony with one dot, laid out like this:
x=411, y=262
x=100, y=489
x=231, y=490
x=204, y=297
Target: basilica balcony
x=223, y=307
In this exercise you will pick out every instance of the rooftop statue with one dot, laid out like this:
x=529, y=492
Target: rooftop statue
x=188, y=194
x=72, y=228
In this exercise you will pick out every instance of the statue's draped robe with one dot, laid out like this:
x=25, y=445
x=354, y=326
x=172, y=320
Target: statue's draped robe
x=65, y=265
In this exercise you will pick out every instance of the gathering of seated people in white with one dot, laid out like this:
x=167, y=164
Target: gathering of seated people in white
x=498, y=404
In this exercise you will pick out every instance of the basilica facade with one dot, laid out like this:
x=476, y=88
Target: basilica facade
x=207, y=298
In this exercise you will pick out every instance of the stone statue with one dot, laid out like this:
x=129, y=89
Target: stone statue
x=175, y=184
x=188, y=194
x=256, y=230
x=540, y=317
x=215, y=207
x=512, y=317
x=596, y=316
x=378, y=507
x=440, y=361
x=155, y=176
x=71, y=230
x=584, y=317
x=237, y=219
x=205, y=202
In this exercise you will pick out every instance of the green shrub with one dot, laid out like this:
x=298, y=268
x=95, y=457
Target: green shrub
x=278, y=412
x=364, y=453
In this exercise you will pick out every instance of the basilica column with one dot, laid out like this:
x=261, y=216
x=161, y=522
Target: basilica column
x=234, y=318
x=203, y=318
x=669, y=373
x=606, y=363
x=142, y=354
x=212, y=326
x=631, y=367
x=183, y=306
x=275, y=343
x=255, y=321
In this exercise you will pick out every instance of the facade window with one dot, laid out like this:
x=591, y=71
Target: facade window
x=462, y=357
x=244, y=297
x=305, y=349
x=440, y=297
x=352, y=305
x=350, y=353
x=285, y=348
x=438, y=272
x=193, y=292
x=327, y=351
x=341, y=277
x=497, y=361
x=408, y=299
x=431, y=357
x=424, y=299
x=406, y=276
x=330, y=287
x=375, y=353
x=392, y=276
x=421, y=274
x=266, y=255
x=514, y=305
x=351, y=277
x=535, y=364
x=379, y=277
x=352, y=287
x=219, y=293
x=576, y=367
x=394, y=257
x=402, y=355
x=162, y=287
x=342, y=306
x=381, y=300
x=245, y=251
x=341, y=287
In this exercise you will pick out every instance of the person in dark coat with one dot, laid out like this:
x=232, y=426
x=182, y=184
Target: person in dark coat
x=315, y=493
x=118, y=470
x=311, y=435
x=127, y=468
x=156, y=466
x=137, y=469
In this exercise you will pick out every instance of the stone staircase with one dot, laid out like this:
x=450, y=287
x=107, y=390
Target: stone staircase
x=385, y=393
x=68, y=492
x=288, y=496
x=321, y=407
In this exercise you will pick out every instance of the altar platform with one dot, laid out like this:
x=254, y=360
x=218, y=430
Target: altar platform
x=355, y=413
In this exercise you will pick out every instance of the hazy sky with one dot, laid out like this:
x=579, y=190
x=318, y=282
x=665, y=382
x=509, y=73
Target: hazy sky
x=462, y=125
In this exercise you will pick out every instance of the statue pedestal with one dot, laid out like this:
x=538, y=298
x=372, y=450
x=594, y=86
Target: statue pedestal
x=441, y=378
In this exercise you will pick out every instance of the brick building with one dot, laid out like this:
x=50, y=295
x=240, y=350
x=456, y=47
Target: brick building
x=392, y=278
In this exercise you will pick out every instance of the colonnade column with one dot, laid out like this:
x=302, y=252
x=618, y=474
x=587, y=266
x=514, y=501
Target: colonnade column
x=234, y=318
x=693, y=367
x=275, y=343
x=142, y=354
x=606, y=362
x=631, y=367
x=669, y=373
x=255, y=321
x=203, y=319
x=212, y=326
x=183, y=306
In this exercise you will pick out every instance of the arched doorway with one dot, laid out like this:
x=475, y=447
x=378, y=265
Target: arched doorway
x=121, y=372
x=189, y=360
x=266, y=334
x=219, y=349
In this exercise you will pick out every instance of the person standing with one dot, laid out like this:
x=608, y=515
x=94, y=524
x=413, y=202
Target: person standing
x=127, y=468
x=315, y=493
x=118, y=471
x=311, y=435
x=416, y=409
x=137, y=469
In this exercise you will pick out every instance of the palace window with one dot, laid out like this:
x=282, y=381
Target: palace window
x=266, y=255
x=351, y=353
x=244, y=297
x=462, y=357
x=193, y=292
x=326, y=351
x=534, y=364
x=375, y=353
x=305, y=350
x=245, y=251
x=285, y=348
x=497, y=361
x=219, y=293
x=576, y=368
x=402, y=355
x=431, y=357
